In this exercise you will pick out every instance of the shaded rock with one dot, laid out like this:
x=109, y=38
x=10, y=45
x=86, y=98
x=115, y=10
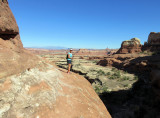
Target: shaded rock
x=155, y=79
x=153, y=43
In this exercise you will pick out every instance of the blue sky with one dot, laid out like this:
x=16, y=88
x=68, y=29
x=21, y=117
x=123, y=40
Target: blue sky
x=85, y=23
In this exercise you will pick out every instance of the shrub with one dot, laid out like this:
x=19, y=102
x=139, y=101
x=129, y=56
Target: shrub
x=108, y=73
x=111, y=77
x=97, y=89
x=126, y=85
x=101, y=72
x=113, y=69
x=117, y=74
x=104, y=89
x=136, y=78
x=125, y=78
x=101, y=89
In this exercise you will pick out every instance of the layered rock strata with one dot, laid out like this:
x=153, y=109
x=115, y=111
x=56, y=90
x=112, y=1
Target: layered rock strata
x=130, y=46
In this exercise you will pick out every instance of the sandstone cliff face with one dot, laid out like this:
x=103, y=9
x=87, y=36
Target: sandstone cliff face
x=153, y=43
x=13, y=57
x=154, y=38
x=130, y=46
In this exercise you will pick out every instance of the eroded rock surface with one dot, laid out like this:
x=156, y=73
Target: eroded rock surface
x=153, y=43
x=13, y=57
x=130, y=46
x=49, y=93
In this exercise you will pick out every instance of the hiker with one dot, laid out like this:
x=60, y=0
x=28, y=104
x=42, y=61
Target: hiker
x=69, y=60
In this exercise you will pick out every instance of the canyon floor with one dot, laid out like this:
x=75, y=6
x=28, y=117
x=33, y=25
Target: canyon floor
x=126, y=94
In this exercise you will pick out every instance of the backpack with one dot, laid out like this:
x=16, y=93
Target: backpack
x=67, y=56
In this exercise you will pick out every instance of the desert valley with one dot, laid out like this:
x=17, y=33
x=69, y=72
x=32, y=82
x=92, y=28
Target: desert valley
x=104, y=83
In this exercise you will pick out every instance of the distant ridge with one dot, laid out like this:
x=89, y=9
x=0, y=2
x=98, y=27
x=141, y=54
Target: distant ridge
x=49, y=47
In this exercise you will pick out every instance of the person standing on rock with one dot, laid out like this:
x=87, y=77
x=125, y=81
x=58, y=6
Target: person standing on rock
x=69, y=60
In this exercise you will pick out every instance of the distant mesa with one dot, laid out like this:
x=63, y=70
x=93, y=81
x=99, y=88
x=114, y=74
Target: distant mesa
x=90, y=52
x=130, y=46
x=48, y=47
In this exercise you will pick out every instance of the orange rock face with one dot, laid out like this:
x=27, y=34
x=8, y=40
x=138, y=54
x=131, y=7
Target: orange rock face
x=13, y=57
x=130, y=46
x=76, y=99
x=49, y=93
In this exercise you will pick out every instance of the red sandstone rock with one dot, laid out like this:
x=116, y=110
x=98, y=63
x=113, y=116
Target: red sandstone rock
x=13, y=57
x=130, y=46
x=109, y=62
x=153, y=43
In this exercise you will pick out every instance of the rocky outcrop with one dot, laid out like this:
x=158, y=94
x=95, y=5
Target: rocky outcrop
x=49, y=93
x=130, y=46
x=110, y=62
x=154, y=38
x=13, y=57
x=153, y=43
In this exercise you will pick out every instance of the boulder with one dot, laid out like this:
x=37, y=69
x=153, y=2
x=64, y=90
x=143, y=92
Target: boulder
x=110, y=62
x=130, y=46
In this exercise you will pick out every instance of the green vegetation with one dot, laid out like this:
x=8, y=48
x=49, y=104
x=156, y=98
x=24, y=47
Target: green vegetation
x=126, y=85
x=101, y=89
x=125, y=78
x=101, y=72
x=136, y=78
x=115, y=75
x=108, y=73
x=114, y=69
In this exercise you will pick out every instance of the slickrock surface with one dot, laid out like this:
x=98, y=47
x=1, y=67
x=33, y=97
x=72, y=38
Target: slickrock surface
x=49, y=93
x=130, y=46
x=13, y=57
